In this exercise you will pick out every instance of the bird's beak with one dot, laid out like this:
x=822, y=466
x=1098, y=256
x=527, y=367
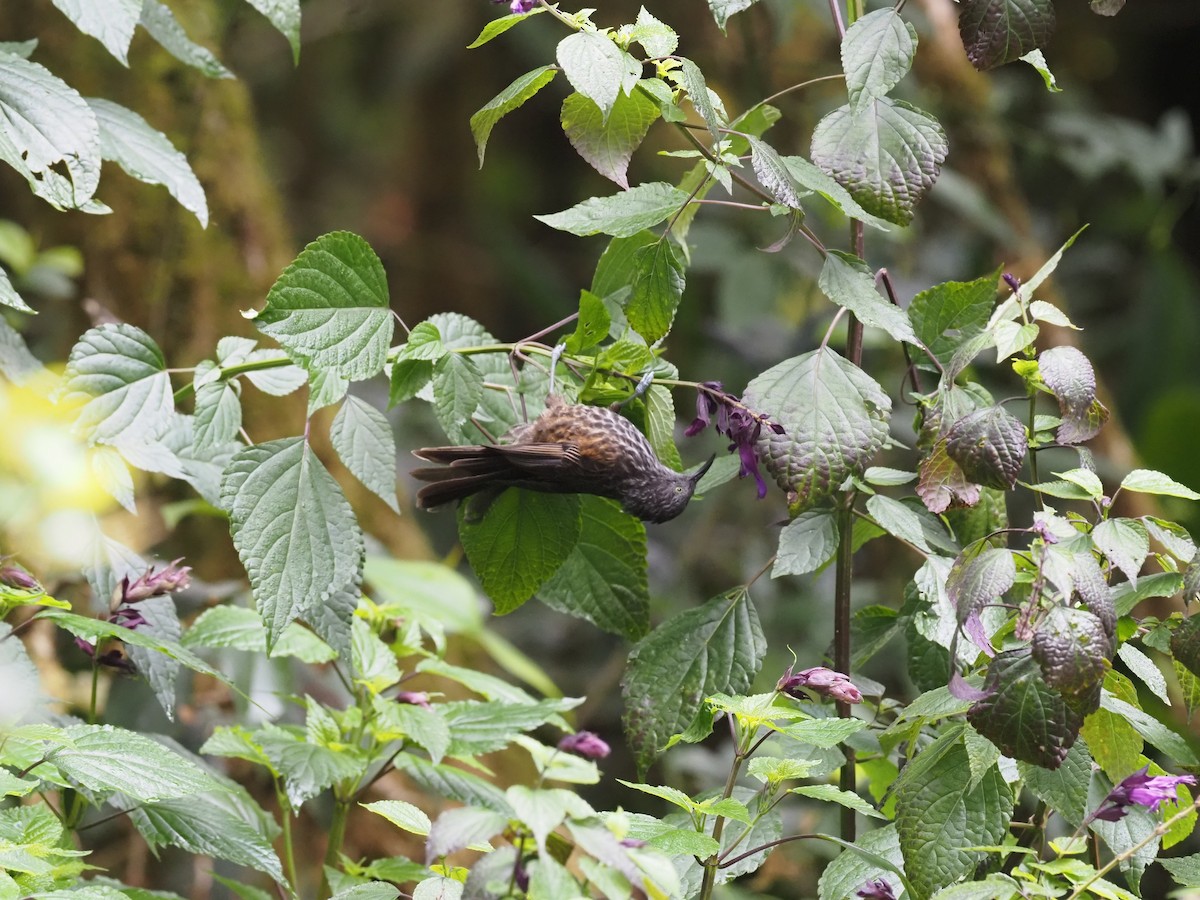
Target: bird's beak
x=699, y=473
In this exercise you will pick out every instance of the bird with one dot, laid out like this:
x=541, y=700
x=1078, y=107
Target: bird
x=569, y=449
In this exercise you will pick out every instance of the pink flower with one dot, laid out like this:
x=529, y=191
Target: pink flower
x=1139, y=789
x=820, y=681
x=586, y=744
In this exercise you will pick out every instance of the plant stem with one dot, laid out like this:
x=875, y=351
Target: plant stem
x=713, y=862
x=289, y=855
x=841, y=645
x=337, y=834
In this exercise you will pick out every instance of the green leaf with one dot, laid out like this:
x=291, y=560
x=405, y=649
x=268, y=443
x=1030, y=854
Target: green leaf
x=1114, y=742
x=660, y=426
x=1185, y=870
x=284, y=15
x=146, y=154
x=307, y=769
x=887, y=155
x=822, y=733
x=238, y=628
x=939, y=811
x=846, y=280
x=657, y=39
x=452, y=783
x=773, y=173
x=1021, y=714
x=1146, y=670
x=620, y=215
x=806, y=543
x=697, y=90
x=218, y=416
x=104, y=758
x=808, y=176
x=477, y=728
x=292, y=528
x=1064, y=789
x=409, y=378
x=160, y=669
x=834, y=418
x=120, y=376
x=1147, y=481
x=1125, y=542
x=1154, y=731
x=608, y=143
x=512, y=97
x=363, y=439
x=597, y=68
x=111, y=22
x=877, y=52
x=497, y=27
x=716, y=648
x=592, y=325
x=1036, y=59
x=723, y=9
x=899, y=520
x=17, y=364
x=435, y=596
x=522, y=539
x=401, y=814
x=657, y=289
x=603, y=580
x=830, y=794
x=371, y=660
x=329, y=308
x=10, y=297
x=160, y=23
x=995, y=32
x=856, y=865
x=947, y=314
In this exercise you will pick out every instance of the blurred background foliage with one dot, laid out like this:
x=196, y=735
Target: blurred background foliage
x=369, y=133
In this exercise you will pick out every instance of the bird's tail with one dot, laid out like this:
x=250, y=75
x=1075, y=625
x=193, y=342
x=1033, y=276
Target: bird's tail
x=463, y=471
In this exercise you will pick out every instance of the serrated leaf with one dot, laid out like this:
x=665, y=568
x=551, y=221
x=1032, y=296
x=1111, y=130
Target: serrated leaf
x=146, y=154
x=1021, y=714
x=995, y=32
x=603, y=580
x=887, y=155
x=621, y=215
x=497, y=27
x=1125, y=542
x=939, y=811
x=10, y=297
x=899, y=520
x=697, y=91
x=723, y=9
x=846, y=280
x=114, y=476
x=401, y=814
x=477, y=728
x=1147, y=481
x=773, y=173
x=284, y=15
x=160, y=23
x=855, y=866
x=104, y=758
x=363, y=439
x=307, y=769
x=877, y=52
x=1069, y=376
x=160, y=670
x=657, y=287
x=660, y=426
x=218, y=416
x=834, y=418
x=409, y=377
x=608, y=144
x=597, y=68
x=1073, y=650
x=1185, y=870
x=17, y=364
x=120, y=375
x=292, y=528
x=111, y=22
x=947, y=314
x=1150, y=728
x=979, y=579
x=989, y=445
x=806, y=543
x=238, y=628
x=329, y=308
x=811, y=178
x=522, y=539
x=505, y=102
x=942, y=482
x=1065, y=789
x=716, y=648
x=1146, y=670
x=656, y=38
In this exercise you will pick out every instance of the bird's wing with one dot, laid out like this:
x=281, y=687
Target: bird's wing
x=534, y=457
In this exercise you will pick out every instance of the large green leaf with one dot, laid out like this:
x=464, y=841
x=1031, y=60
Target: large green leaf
x=457, y=390
x=942, y=809
x=846, y=280
x=597, y=68
x=111, y=22
x=1064, y=789
x=329, y=308
x=608, y=144
x=119, y=374
x=604, y=578
x=806, y=543
x=947, y=314
x=995, y=32
x=887, y=155
x=520, y=542
x=834, y=418
x=477, y=728
x=146, y=154
x=363, y=440
x=620, y=215
x=716, y=648
x=505, y=102
x=160, y=23
x=47, y=123
x=293, y=530
x=877, y=52
x=657, y=288
x=808, y=176
x=218, y=415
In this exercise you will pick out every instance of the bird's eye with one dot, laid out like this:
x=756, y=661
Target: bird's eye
x=679, y=489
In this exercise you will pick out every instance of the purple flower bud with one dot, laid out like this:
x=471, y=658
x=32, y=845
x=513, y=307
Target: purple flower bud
x=86, y=646
x=520, y=873
x=521, y=6
x=820, y=681
x=632, y=843
x=876, y=889
x=1139, y=789
x=173, y=577
x=16, y=577
x=1012, y=281
x=1042, y=529
x=414, y=698
x=127, y=616
x=585, y=743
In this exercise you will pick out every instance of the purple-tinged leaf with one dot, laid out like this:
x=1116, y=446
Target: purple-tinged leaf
x=980, y=578
x=989, y=446
x=1185, y=644
x=942, y=482
x=1073, y=651
x=1069, y=376
x=995, y=32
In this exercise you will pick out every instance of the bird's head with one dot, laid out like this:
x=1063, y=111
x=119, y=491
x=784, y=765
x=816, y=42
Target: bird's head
x=662, y=497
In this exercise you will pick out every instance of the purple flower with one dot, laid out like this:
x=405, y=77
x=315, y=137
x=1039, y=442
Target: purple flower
x=820, y=681
x=16, y=577
x=519, y=6
x=1012, y=281
x=414, y=698
x=1139, y=789
x=736, y=422
x=167, y=580
x=875, y=889
x=1042, y=529
x=586, y=743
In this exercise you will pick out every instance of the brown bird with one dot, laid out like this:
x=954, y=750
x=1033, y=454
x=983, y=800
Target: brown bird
x=568, y=449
